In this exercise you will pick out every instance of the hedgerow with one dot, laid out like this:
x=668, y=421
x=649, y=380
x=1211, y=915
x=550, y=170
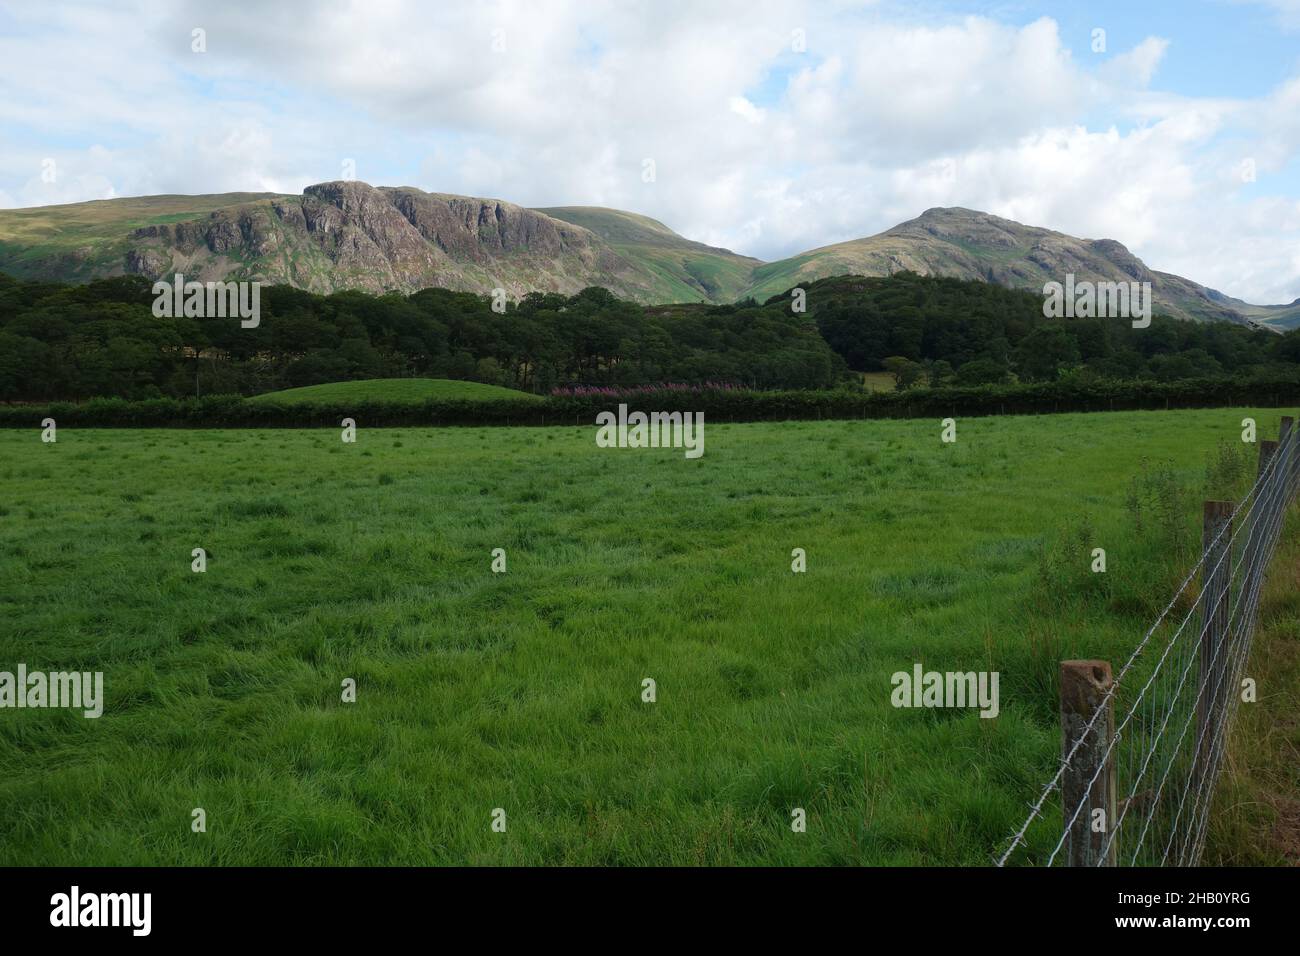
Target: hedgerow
x=717, y=405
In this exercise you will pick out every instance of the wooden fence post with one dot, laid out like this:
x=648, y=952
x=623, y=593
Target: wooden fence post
x=1255, y=517
x=1266, y=451
x=1084, y=689
x=1216, y=598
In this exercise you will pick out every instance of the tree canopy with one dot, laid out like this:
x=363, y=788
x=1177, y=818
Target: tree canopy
x=102, y=339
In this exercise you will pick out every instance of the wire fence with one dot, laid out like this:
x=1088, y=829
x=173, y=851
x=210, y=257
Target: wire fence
x=1138, y=769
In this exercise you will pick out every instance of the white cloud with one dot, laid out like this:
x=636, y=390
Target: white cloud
x=1137, y=66
x=911, y=93
x=756, y=146
x=745, y=109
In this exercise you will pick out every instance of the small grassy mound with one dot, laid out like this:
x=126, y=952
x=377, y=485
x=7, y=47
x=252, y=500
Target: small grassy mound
x=389, y=390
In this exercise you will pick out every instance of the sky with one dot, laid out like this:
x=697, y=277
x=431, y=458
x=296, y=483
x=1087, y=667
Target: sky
x=765, y=127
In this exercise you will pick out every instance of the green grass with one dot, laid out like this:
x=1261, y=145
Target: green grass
x=522, y=690
x=878, y=381
x=678, y=269
x=1256, y=813
x=390, y=390
x=81, y=241
x=104, y=219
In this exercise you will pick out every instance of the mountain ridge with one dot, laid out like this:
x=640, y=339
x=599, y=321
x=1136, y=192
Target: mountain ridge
x=349, y=234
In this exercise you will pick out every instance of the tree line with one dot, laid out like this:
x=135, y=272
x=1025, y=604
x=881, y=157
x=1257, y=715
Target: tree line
x=103, y=339
x=71, y=342
x=941, y=331
x=716, y=404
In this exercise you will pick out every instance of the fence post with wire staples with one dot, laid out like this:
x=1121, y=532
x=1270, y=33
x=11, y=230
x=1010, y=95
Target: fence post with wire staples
x=1087, y=785
x=1238, y=540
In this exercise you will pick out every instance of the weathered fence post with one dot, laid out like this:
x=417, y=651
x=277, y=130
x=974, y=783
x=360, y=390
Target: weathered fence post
x=1267, y=449
x=1087, y=783
x=1216, y=593
x=1256, y=514
x=1256, y=517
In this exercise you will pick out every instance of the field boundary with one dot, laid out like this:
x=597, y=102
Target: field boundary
x=717, y=405
x=1137, y=789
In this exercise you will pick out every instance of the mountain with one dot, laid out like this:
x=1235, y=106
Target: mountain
x=689, y=268
x=966, y=244
x=339, y=235
x=1277, y=316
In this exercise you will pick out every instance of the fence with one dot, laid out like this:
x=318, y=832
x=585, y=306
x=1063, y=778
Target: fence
x=1137, y=791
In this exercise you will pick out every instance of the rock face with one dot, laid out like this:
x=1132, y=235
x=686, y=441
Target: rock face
x=350, y=235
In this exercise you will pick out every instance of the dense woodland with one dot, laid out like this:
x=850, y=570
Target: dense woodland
x=69, y=342
x=936, y=331
x=65, y=342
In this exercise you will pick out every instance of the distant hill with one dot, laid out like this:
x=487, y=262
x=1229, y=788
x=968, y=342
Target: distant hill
x=1277, y=316
x=341, y=235
x=686, y=269
x=349, y=235
x=965, y=244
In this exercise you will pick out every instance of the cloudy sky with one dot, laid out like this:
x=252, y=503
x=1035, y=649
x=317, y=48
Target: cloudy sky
x=1171, y=125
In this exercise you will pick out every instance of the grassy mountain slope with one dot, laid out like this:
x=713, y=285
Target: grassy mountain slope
x=689, y=271
x=1274, y=316
x=967, y=244
x=351, y=235
x=85, y=240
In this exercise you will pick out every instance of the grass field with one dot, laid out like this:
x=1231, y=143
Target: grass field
x=390, y=390
x=523, y=690
x=878, y=381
